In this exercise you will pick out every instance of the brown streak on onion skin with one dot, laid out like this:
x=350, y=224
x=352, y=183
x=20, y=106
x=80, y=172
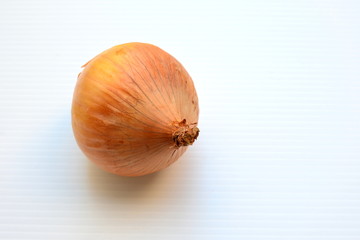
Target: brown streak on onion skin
x=135, y=109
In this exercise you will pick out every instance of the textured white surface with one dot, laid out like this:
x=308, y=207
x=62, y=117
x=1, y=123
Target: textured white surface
x=278, y=156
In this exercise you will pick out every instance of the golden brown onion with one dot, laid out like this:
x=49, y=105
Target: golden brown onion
x=135, y=109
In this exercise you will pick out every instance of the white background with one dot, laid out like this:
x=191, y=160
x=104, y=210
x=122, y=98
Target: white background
x=278, y=156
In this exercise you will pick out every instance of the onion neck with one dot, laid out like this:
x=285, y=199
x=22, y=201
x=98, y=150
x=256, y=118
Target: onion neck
x=185, y=134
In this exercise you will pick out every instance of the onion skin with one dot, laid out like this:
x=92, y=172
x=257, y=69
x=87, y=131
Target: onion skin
x=135, y=109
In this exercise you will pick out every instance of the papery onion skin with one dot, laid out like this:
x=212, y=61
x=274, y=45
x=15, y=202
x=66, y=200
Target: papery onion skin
x=135, y=109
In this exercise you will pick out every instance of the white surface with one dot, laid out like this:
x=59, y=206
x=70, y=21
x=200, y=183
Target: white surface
x=278, y=156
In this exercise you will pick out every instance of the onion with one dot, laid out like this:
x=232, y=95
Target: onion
x=135, y=109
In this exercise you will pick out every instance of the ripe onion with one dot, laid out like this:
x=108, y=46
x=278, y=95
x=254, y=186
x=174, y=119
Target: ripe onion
x=135, y=109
